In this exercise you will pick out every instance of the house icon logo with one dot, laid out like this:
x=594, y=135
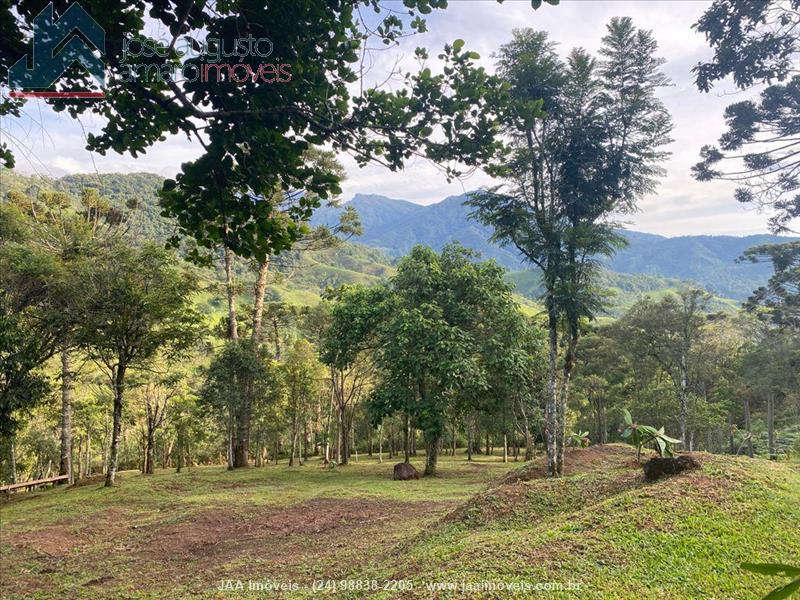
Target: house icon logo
x=57, y=45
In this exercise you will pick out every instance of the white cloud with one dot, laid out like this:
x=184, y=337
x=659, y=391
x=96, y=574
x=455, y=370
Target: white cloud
x=66, y=164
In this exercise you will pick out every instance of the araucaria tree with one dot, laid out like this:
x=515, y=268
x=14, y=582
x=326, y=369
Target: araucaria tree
x=586, y=136
x=137, y=307
x=756, y=43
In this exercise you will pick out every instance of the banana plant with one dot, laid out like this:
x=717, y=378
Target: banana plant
x=641, y=435
x=579, y=439
x=777, y=570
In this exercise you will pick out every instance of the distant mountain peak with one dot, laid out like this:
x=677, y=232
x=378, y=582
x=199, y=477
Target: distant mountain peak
x=395, y=226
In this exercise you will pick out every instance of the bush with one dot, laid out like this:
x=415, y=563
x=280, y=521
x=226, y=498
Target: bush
x=641, y=435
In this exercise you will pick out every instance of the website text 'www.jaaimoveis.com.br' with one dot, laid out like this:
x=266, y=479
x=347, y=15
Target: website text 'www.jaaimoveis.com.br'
x=400, y=585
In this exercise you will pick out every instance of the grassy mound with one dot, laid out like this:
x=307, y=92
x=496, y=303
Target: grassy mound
x=603, y=527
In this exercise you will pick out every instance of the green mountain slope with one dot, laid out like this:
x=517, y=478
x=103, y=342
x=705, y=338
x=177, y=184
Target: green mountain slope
x=709, y=261
x=650, y=265
x=624, y=289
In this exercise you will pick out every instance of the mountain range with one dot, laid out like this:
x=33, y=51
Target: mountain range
x=651, y=264
x=395, y=226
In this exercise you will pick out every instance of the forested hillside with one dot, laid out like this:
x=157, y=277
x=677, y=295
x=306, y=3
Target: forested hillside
x=304, y=276
x=651, y=264
x=709, y=261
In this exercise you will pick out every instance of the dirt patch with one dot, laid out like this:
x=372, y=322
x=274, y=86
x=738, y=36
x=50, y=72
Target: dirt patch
x=219, y=532
x=54, y=541
x=666, y=466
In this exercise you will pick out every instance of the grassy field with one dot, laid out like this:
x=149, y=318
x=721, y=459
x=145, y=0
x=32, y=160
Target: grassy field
x=600, y=529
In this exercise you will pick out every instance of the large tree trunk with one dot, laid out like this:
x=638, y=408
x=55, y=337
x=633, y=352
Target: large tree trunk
x=241, y=442
x=550, y=413
x=258, y=299
x=431, y=454
x=116, y=428
x=748, y=427
x=239, y=436
x=67, y=387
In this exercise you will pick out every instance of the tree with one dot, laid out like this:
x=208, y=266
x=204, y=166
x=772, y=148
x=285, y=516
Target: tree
x=774, y=362
x=303, y=376
x=35, y=291
x=241, y=373
x=137, y=307
x=756, y=43
x=348, y=333
x=445, y=333
x=255, y=129
x=603, y=379
x=21, y=385
x=585, y=137
x=55, y=227
x=157, y=396
x=780, y=297
x=770, y=368
x=668, y=332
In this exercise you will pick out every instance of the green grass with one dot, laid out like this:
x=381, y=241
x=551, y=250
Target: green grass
x=601, y=526
x=621, y=538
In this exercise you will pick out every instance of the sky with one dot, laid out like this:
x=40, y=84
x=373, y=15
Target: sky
x=55, y=143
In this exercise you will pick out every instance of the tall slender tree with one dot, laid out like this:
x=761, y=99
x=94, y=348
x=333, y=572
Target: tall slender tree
x=586, y=145
x=137, y=306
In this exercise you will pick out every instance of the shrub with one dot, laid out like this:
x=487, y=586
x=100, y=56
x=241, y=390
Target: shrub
x=580, y=440
x=641, y=435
